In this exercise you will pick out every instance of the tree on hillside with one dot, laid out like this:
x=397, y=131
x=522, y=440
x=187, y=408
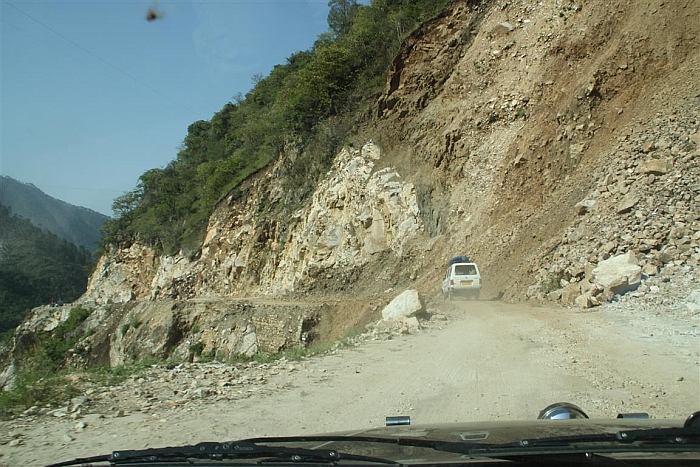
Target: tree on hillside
x=340, y=16
x=36, y=266
x=346, y=66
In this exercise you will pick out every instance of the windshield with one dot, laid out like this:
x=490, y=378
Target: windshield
x=465, y=270
x=225, y=220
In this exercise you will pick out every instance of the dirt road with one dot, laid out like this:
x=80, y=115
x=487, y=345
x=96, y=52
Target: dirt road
x=488, y=361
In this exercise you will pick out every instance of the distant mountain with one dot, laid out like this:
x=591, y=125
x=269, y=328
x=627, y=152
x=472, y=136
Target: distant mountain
x=78, y=225
x=36, y=267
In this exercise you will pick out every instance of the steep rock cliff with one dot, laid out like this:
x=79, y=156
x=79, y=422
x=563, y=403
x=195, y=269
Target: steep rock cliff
x=356, y=213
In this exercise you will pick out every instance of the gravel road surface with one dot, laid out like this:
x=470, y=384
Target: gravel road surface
x=484, y=361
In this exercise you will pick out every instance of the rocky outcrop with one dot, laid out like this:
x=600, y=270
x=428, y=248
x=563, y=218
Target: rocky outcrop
x=356, y=213
x=117, y=334
x=122, y=275
x=145, y=306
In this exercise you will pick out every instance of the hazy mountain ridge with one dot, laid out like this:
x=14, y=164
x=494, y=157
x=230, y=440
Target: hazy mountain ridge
x=36, y=268
x=76, y=224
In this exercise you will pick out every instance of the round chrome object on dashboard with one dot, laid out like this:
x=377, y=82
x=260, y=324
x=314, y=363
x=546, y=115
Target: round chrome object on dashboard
x=561, y=411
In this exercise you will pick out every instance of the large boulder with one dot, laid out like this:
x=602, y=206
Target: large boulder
x=619, y=274
x=405, y=304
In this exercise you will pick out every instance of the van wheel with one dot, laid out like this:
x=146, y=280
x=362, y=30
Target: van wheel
x=450, y=295
x=476, y=295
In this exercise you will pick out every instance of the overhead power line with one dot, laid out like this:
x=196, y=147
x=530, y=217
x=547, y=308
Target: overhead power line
x=58, y=50
x=128, y=75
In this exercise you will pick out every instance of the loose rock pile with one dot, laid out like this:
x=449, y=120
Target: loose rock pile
x=673, y=295
x=647, y=202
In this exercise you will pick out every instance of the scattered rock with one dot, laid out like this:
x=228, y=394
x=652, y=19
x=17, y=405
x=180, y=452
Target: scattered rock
x=569, y=294
x=655, y=167
x=628, y=202
x=502, y=28
x=584, y=206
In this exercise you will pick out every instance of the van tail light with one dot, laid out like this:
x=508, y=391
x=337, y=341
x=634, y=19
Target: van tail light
x=452, y=282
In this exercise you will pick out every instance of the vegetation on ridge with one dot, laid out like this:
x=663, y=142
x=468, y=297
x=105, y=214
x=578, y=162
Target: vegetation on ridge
x=170, y=206
x=37, y=379
x=36, y=267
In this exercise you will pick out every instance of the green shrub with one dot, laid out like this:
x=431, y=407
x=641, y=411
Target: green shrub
x=196, y=349
x=36, y=383
x=57, y=343
x=38, y=379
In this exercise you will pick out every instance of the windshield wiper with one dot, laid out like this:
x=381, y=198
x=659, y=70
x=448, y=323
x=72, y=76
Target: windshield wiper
x=225, y=451
x=639, y=437
x=686, y=439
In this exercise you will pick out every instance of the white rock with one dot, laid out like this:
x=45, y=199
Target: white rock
x=620, y=273
x=695, y=297
x=405, y=304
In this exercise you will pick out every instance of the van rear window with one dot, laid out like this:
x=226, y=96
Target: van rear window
x=465, y=270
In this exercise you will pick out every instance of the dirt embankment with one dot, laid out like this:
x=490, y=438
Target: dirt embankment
x=507, y=115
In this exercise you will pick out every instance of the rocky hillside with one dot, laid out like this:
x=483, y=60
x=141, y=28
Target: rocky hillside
x=540, y=138
x=553, y=135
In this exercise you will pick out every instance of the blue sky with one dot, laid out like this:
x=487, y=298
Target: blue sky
x=92, y=95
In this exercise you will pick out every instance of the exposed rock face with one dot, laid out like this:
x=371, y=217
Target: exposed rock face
x=169, y=329
x=122, y=275
x=355, y=213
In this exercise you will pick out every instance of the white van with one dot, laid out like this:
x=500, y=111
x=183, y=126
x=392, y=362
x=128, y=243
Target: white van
x=462, y=279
